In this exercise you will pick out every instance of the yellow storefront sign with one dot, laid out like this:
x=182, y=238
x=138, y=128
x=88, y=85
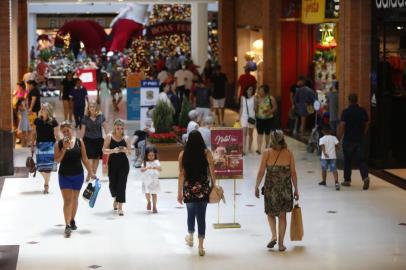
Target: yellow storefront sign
x=313, y=11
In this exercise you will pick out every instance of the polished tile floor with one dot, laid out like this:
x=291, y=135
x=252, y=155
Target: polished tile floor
x=349, y=229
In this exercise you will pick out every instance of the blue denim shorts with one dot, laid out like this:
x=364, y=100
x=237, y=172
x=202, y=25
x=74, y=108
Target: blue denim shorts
x=329, y=163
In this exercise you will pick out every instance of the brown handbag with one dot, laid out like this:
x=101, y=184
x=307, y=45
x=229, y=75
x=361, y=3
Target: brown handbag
x=216, y=195
x=30, y=164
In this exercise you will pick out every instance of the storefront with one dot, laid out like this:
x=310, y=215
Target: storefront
x=308, y=46
x=388, y=84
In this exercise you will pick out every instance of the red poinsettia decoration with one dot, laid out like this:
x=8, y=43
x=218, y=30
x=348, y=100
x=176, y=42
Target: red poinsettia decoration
x=179, y=130
x=169, y=137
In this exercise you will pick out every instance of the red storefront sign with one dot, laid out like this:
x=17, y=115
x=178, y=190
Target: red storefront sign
x=227, y=147
x=88, y=78
x=169, y=28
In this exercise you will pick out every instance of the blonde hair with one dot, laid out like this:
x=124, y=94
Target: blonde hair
x=278, y=140
x=118, y=122
x=92, y=102
x=50, y=112
x=65, y=124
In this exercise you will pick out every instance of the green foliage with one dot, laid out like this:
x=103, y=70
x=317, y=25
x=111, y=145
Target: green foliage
x=184, y=113
x=45, y=55
x=163, y=117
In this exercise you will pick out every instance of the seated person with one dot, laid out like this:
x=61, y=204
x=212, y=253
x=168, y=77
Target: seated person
x=139, y=141
x=205, y=130
x=193, y=125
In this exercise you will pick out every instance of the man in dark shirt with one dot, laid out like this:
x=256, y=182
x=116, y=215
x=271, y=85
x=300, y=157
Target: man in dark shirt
x=354, y=125
x=34, y=98
x=202, y=99
x=219, y=81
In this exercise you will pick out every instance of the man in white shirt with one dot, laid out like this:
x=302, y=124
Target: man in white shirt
x=181, y=77
x=329, y=146
x=163, y=75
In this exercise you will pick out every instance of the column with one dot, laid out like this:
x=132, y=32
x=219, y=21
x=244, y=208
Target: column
x=14, y=43
x=272, y=45
x=199, y=34
x=6, y=135
x=355, y=52
x=32, y=31
x=23, y=51
x=227, y=46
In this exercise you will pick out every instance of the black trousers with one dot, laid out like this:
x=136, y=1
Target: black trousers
x=118, y=174
x=354, y=150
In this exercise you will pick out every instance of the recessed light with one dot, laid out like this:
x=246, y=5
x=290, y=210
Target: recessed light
x=399, y=27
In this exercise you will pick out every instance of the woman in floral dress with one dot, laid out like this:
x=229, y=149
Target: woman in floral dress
x=280, y=176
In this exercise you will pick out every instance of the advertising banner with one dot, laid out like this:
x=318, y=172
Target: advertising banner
x=149, y=92
x=88, y=78
x=133, y=95
x=227, y=148
x=313, y=11
x=133, y=104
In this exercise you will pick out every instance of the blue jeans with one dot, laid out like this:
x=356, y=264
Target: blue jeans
x=354, y=150
x=196, y=211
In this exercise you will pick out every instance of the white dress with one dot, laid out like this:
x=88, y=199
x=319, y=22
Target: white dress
x=247, y=113
x=150, y=178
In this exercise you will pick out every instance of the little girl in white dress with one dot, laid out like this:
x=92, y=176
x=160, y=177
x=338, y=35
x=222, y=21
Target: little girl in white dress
x=151, y=169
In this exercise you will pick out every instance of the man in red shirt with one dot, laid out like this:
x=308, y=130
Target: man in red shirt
x=246, y=80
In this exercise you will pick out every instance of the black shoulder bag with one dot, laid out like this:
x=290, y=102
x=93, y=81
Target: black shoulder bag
x=251, y=120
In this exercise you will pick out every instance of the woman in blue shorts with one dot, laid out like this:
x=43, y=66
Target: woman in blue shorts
x=71, y=152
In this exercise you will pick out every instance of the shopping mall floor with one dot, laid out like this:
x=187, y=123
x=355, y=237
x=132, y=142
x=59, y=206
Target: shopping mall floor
x=347, y=229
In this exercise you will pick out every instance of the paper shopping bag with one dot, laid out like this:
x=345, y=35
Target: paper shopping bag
x=296, y=224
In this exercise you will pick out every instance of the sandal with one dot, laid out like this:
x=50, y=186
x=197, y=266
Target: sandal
x=46, y=189
x=271, y=244
x=282, y=248
x=115, y=205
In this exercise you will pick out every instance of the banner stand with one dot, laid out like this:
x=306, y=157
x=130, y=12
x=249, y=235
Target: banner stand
x=234, y=224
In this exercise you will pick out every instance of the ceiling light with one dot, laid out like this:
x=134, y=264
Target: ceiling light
x=399, y=27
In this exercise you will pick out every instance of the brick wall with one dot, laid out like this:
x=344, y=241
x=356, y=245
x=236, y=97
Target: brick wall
x=5, y=81
x=272, y=45
x=355, y=52
x=22, y=38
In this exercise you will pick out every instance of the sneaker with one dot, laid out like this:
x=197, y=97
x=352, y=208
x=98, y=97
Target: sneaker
x=68, y=231
x=322, y=183
x=73, y=225
x=337, y=186
x=189, y=240
x=346, y=183
x=366, y=184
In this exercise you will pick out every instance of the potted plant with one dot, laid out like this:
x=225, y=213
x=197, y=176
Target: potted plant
x=183, y=118
x=164, y=138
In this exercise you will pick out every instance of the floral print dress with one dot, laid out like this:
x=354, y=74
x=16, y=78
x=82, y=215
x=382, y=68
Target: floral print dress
x=278, y=190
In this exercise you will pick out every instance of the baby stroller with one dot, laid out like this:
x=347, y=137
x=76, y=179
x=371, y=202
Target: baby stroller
x=313, y=142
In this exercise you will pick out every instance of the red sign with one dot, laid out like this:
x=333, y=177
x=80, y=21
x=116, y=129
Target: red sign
x=169, y=28
x=88, y=78
x=227, y=147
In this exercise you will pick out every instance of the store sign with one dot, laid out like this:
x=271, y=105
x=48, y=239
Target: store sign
x=169, y=28
x=149, y=92
x=390, y=3
x=227, y=148
x=313, y=11
x=88, y=78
